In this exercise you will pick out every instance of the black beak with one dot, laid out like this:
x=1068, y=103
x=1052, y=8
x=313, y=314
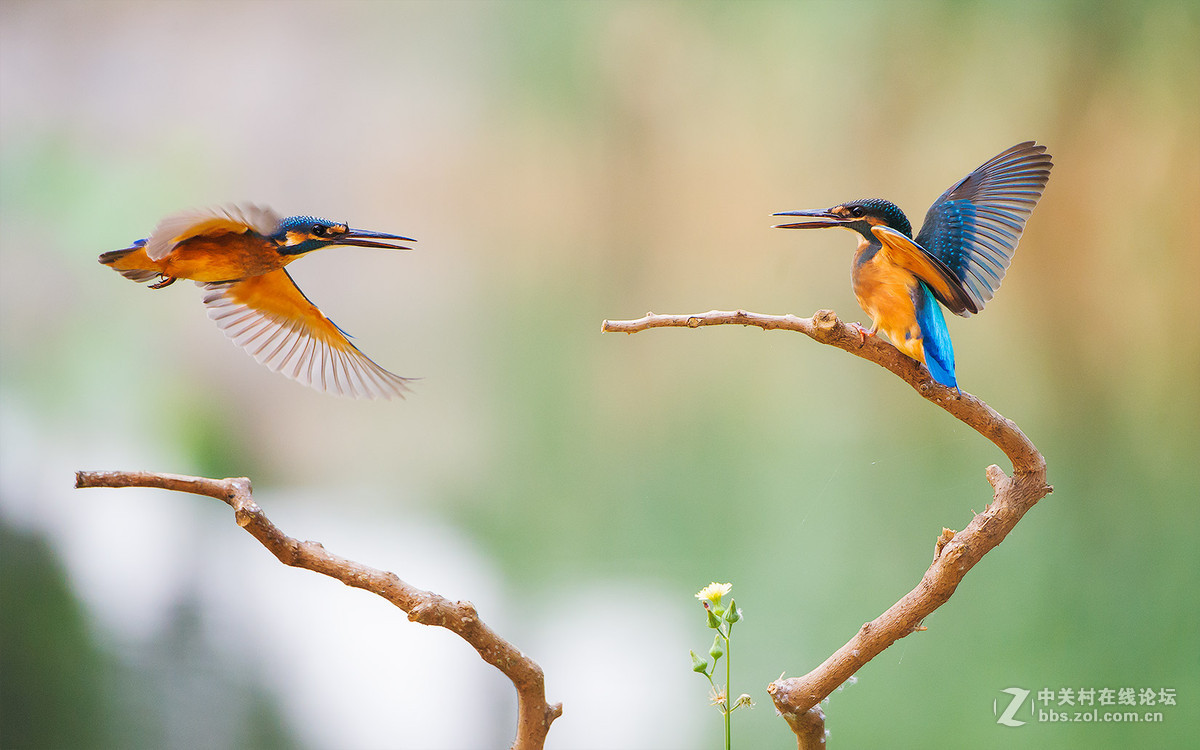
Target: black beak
x=370, y=239
x=820, y=219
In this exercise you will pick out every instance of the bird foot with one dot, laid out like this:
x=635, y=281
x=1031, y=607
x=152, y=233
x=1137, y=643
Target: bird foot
x=863, y=333
x=163, y=281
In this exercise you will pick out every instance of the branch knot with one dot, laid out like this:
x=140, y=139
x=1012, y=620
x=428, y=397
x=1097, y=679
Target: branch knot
x=825, y=320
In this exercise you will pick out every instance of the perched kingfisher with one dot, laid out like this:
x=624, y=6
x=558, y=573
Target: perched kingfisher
x=238, y=254
x=958, y=258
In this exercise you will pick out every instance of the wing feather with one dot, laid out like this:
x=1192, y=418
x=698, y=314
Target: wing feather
x=941, y=280
x=231, y=219
x=275, y=323
x=973, y=228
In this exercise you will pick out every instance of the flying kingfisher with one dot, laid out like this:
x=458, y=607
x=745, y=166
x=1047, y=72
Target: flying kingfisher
x=238, y=253
x=958, y=258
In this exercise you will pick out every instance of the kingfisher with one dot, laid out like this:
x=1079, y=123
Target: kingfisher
x=958, y=259
x=237, y=253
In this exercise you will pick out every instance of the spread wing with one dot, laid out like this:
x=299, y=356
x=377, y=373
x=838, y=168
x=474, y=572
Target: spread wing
x=274, y=322
x=973, y=228
x=232, y=219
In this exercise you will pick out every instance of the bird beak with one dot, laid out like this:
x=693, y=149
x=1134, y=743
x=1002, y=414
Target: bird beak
x=819, y=219
x=370, y=239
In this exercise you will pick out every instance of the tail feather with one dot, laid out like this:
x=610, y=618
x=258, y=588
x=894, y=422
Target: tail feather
x=939, y=352
x=131, y=262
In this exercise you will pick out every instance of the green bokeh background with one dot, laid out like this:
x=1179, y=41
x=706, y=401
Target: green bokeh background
x=563, y=163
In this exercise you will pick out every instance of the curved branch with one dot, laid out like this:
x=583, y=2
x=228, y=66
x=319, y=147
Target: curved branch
x=534, y=715
x=798, y=698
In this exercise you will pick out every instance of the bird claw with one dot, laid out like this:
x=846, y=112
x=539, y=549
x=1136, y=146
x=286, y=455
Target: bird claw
x=863, y=333
x=163, y=281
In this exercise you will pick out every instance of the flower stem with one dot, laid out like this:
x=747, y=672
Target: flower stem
x=728, y=693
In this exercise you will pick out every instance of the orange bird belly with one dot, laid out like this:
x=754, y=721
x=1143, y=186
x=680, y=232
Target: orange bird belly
x=222, y=258
x=884, y=291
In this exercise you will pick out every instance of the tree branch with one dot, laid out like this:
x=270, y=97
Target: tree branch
x=798, y=698
x=534, y=715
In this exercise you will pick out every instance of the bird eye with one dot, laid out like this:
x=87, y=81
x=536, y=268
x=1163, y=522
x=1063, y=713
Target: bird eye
x=319, y=230
x=856, y=211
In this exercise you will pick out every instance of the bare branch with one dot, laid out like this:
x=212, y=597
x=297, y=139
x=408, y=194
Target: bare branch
x=798, y=698
x=534, y=715
x=808, y=726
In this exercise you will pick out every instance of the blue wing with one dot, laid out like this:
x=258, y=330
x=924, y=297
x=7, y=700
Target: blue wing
x=973, y=228
x=939, y=352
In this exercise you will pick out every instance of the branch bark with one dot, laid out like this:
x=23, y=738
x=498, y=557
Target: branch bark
x=534, y=714
x=798, y=698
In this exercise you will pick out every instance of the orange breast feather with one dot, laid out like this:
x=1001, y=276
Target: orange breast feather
x=222, y=257
x=884, y=291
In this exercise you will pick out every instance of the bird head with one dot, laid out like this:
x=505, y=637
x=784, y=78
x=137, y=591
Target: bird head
x=297, y=235
x=857, y=216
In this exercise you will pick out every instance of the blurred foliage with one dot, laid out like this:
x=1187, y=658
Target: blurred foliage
x=562, y=163
x=61, y=689
x=42, y=640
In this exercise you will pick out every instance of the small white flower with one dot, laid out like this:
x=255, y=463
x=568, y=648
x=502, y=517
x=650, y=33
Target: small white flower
x=713, y=592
